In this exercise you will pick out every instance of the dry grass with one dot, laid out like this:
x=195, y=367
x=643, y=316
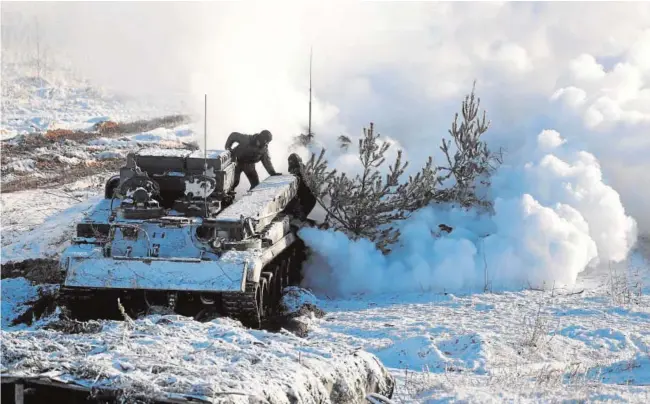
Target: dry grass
x=65, y=175
x=52, y=172
x=624, y=288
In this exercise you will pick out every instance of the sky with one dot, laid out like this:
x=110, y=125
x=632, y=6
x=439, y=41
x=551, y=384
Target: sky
x=579, y=68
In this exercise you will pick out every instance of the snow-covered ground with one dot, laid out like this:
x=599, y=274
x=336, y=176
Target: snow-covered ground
x=217, y=361
x=48, y=160
x=60, y=100
x=590, y=342
x=39, y=223
x=529, y=345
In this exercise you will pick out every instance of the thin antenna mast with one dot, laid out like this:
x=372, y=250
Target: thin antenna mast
x=309, y=134
x=205, y=151
x=205, y=134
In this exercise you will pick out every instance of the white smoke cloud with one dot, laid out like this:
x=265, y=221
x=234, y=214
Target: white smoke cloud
x=553, y=217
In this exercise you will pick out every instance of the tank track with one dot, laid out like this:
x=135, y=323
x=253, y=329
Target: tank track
x=284, y=271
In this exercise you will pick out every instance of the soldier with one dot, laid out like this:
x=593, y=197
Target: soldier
x=306, y=200
x=251, y=149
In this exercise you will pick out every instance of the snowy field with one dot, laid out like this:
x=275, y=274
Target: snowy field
x=61, y=100
x=172, y=356
x=545, y=299
x=441, y=337
x=47, y=228
x=590, y=342
x=527, y=346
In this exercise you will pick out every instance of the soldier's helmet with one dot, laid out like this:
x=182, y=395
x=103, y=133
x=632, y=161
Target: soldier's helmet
x=295, y=163
x=265, y=136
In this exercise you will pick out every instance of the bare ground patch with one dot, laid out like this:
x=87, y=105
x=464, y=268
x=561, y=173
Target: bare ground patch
x=49, y=169
x=122, y=128
x=39, y=271
x=61, y=174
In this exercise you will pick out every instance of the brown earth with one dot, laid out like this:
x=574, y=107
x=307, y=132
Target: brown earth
x=40, y=271
x=52, y=172
x=64, y=176
x=123, y=128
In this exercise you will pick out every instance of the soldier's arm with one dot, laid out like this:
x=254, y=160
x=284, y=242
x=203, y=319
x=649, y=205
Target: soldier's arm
x=266, y=162
x=234, y=137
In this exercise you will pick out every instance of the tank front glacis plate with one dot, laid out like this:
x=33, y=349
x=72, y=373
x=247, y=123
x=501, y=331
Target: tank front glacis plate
x=203, y=276
x=160, y=254
x=88, y=268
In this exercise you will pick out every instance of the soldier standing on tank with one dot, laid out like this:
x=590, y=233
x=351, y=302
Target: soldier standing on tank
x=250, y=150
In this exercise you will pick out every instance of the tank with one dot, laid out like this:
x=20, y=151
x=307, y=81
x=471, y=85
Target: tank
x=168, y=236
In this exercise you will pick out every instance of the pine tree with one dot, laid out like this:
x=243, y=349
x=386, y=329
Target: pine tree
x=369, y=204
x=344, y=142
x=472, y=161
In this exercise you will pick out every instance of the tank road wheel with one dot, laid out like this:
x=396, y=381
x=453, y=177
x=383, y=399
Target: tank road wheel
x=264, y=297
x=260, y=301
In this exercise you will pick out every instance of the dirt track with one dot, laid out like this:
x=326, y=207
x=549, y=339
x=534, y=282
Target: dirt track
x=52, y=172
x=65, y=175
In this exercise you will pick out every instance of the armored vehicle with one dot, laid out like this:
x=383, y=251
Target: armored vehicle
x=167, y=235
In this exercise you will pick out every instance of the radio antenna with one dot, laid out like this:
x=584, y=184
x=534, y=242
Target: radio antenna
x=309, y=134
x=205, y=151
x=205, y=134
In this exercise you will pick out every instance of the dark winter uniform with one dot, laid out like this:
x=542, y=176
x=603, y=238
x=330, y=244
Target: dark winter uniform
x=251, y=149
x=305, y=201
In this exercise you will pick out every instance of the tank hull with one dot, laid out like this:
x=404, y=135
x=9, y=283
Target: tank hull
x=112, y=289
x=233, y=262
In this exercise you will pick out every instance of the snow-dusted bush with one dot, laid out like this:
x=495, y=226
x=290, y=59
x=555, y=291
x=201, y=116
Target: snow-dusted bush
x=368, y=204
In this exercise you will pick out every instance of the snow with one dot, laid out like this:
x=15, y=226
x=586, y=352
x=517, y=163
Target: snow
x=211, y=154
x=258, y=203
x=157, y=152
x=164, y=135
x=22, y=165
x=63, y=102
x=72, y=161
x=173, y=137
x=92, y=270
x=294, y=298
x=470, y=347
x=48, y=238
x=16, y=294
x=40, y=223
x=453, y=316
x=105, y=155
x=553, y=218
x=213, y=361
x=477, y=347
x=459, y=347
